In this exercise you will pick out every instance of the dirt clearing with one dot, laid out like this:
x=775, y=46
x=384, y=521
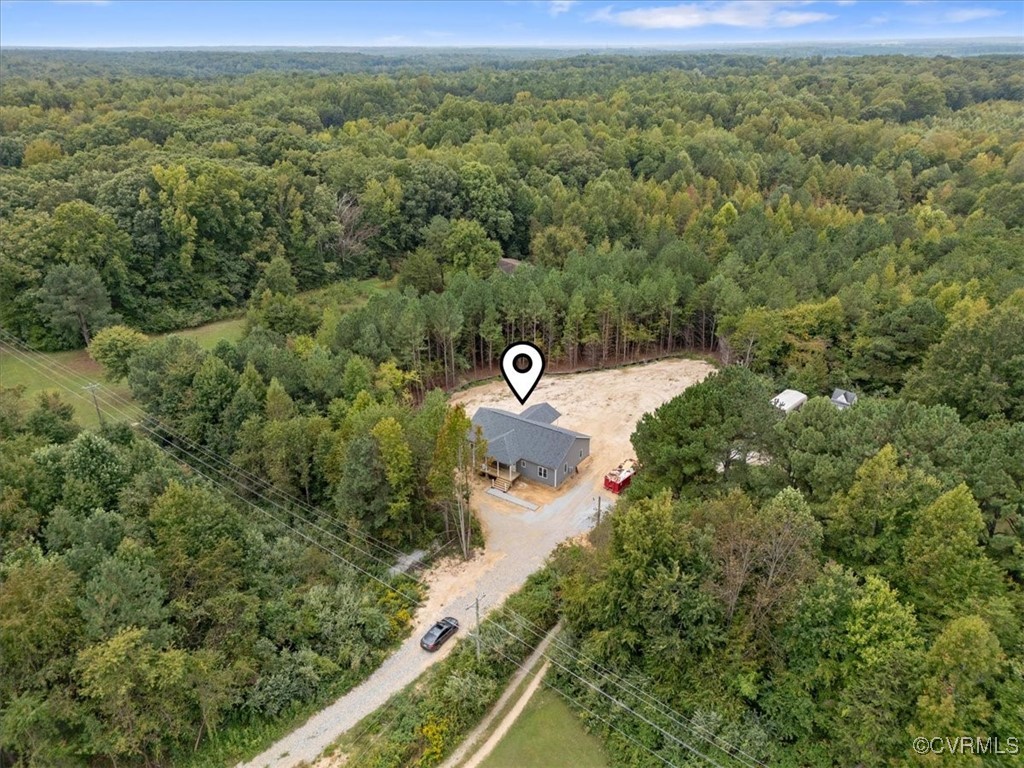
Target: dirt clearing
x=603, y=404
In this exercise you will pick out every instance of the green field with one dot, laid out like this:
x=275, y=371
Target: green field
x=547, y=735
x=207, y=336
x=63, y=372
x=68, y=372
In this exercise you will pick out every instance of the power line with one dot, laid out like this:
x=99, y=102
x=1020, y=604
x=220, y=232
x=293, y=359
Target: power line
x=411, y=599
x=576, y=702
x=128, y=403
x=673, y=715
x=219, y=461
x=355, y=757
x=120, y=403
x=617, y=702
x=26, y=355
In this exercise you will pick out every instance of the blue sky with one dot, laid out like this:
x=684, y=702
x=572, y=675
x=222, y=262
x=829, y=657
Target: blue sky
x=100, y=23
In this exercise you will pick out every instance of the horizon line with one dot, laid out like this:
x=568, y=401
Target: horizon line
x=519, y=46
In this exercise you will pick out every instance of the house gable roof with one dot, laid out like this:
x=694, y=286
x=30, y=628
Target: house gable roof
x=511, y=437
x=542, y=412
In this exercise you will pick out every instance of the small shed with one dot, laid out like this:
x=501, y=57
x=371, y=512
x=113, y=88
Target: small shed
x=843, y=398
x=788, y=400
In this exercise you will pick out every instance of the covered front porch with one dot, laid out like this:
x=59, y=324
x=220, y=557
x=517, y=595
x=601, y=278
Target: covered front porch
x=502, y=475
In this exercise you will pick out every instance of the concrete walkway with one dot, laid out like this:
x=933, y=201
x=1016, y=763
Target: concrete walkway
x=505, y=496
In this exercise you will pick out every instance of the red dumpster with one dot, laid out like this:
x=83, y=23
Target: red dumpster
x=619, y=478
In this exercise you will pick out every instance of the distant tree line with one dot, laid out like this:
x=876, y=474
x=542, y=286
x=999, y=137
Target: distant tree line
x=159, y=205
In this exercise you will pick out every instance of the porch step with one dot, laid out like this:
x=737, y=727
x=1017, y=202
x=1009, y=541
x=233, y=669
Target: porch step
x=501, y=483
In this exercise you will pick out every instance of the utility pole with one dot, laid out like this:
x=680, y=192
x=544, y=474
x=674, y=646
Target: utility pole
x=461, y=504
x=468, y=492
x=477, y=601
x=91, y=389
x=476, y=632
x=598, y=510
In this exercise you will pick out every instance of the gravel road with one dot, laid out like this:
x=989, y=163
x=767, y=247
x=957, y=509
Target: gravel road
x=510, y=558
x=606, y=405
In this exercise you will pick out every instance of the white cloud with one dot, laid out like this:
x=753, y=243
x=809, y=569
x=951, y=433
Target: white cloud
x=731, y=13
x=878, y=20
x=555, y=7
x=846, y=2
x=971, y=14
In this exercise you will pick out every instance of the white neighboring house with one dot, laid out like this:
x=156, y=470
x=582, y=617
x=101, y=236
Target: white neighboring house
x=788, y=400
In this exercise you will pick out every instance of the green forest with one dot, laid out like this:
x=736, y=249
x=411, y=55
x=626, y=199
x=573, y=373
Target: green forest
x=815, y=589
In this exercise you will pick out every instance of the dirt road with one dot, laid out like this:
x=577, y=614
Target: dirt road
x=473, y=745
x=603, y=404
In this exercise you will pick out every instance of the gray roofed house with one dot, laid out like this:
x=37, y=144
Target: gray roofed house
x=843, y=398
x=542, y=412
x=528, y=445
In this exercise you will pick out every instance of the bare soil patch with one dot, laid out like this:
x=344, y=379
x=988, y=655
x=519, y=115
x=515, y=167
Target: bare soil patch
x=603, y=404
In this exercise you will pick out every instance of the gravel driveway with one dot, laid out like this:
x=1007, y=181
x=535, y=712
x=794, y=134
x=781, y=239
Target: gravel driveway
x=606, y=405
x=518, y=542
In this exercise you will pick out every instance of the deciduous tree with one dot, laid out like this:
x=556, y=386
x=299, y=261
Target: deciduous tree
x=113, y=348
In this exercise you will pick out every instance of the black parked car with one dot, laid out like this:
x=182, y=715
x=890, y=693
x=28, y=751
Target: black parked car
x=439, y=633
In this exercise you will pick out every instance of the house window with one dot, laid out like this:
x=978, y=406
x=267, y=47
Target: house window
x=565, y=469
x=581, y=453
x=542, y=472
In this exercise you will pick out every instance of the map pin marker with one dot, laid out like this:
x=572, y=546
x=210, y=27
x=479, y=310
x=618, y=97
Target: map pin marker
x=522, y=365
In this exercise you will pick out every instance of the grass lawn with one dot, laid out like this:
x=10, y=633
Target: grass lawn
x=207, y=336
x=547, y=735
x=74, y=369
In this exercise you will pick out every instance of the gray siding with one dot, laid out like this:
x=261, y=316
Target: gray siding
x=557, y=475
x=528, y=471
x=510, y=438
x=579, y=451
